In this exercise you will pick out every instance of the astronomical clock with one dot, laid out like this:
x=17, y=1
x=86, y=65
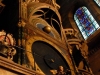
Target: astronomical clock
x=43, y=37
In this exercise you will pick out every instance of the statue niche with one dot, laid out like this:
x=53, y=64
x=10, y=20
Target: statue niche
x=78, y=49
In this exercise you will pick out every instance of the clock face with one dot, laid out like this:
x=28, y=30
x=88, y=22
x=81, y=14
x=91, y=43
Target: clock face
x=47, y=57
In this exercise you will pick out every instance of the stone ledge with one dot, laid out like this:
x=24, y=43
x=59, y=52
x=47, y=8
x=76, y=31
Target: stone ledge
x=16, y=68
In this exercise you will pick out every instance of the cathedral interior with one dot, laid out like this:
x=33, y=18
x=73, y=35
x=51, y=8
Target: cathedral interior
x=39, y=36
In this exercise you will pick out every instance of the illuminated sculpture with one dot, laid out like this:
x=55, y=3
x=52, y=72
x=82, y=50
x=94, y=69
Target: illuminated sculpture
x=7, y=45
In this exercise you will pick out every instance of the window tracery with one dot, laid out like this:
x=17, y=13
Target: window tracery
x=85, y=22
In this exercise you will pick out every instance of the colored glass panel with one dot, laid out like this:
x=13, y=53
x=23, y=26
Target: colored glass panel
x=98, y=2
x=85, y=22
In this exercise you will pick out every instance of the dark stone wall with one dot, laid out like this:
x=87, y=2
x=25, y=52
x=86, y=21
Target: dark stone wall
x=95, y=62
x=9, y=17
x=66, y=6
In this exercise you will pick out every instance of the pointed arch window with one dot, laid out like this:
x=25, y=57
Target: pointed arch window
x=98, y=2
x=85, y=22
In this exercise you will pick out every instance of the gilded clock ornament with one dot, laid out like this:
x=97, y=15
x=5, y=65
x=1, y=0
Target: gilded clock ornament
x=7, y=43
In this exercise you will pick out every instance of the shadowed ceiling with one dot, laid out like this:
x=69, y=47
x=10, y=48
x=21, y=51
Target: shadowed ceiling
x=9, y=17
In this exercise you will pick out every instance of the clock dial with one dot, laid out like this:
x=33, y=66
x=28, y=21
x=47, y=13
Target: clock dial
x=47, y=57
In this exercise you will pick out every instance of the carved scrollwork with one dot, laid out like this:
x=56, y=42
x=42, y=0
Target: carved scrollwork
x=7, y=43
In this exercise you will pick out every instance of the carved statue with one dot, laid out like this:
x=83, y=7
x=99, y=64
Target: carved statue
x=11, y=52
x=84, y=49
x=7, y=51
x=60, y=71
x=7, y=45
x=71, y=33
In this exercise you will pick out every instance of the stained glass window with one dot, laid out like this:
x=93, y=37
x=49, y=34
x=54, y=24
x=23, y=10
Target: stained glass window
x=98, y=2
x=85, y=22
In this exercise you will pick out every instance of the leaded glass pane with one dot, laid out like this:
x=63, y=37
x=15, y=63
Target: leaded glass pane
x=98, y=2
x=85, y=22
x=85, y=36
x=91, y=18
x=81, y=28
x=77, y=21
